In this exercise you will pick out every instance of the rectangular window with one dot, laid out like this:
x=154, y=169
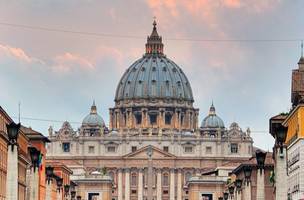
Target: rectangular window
x=134, y=148
x=168, y=118
x=208, y=150
x=138, y=119
x=91, y=149
x=111, y=149
x=66, y=147
x=153, y=119
x=234, y=148
x=166, y=148
x=188, y=149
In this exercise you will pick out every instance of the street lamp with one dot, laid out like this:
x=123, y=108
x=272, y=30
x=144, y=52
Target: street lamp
x=220, y=198
x=66, y=190
x=78, y=197
x=34, y=153
x=281, y=134
x=238, y=184
x=49, y=172
x=260, y=158
x=247, y=173
x=231, y=190
x=73, y=194
x=12, y=133
x=226, y=195
x=59, y=182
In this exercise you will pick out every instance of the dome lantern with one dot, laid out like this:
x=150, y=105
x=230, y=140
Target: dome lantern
x=93, y=119
x=154, y=43
x=212, y=120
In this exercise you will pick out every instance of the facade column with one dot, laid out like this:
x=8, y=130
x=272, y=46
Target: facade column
x=127, y=184
x=140, y=184
x=120, y=193
x=159, y=185
x=12, y=173
x=34, y=184
x=281, y=174
x=172, y=184
x=260, y=185
x=179, y=184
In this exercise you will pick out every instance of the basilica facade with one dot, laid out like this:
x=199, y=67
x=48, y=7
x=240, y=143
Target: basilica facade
x=154, y=147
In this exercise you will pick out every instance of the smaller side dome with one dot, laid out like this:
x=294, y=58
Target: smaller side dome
x=93, y=119
x=212, y=120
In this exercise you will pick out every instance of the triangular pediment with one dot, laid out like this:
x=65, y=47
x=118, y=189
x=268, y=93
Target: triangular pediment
x=156, y=153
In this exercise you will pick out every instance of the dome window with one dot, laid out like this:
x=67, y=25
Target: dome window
x=167, y=82
x=140, y=81
x=153, y=81
x=129, y=82
x=134, y=69
x=168, y=118
x=174, y=70
x=164, y=69
x=178, y=83
x=153, y=69
x=138, y=118
x=143, y=69
x=153, y=118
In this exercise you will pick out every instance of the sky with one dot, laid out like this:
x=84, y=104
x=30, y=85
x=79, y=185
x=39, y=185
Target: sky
x=56, y=75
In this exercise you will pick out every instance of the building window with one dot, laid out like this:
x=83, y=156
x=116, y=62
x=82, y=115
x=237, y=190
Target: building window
x=138, y=118
x=166, y=148
x=133, y=191
x=165, y=179
x=165, y=192
x=234, y=148
x=111, y=149
x=91, y=149
x=133, y=179
x=188, y=175
x=168, y=118
x=66, y=147
x=188, y=149
x=208, y=150
x=134, y=148
x=153, y=119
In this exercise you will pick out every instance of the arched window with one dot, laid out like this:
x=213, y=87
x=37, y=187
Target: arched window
x=165, y=179
x=133, y=179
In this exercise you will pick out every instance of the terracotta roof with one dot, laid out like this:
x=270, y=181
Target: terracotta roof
x=33, y=135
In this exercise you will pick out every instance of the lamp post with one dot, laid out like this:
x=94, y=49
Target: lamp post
x=73, y=195
x=280, y=133
x=226, y=195
x=238, y=185
x=247, y=175
x=260, y=158
x=34, y=178
x=59, y=182
x=12, y=162
x=231, y=191
x=66, y=191
x=78, y=197
x=12, y=133
x=49, y=172
x=220, y=198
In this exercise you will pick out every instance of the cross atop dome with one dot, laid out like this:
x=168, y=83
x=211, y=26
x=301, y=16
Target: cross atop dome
x=154, y=43
x=212, y=109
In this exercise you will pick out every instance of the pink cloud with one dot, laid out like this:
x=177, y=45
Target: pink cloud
x=232, y=3
x=17, y=53
x=68, y=61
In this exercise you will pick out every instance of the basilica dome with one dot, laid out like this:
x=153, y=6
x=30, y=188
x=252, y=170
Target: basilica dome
x=93, y=119
x=154, y=76
x=212, y=120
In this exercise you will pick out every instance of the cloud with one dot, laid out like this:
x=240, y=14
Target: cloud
x=16, y=53
x=68, y=61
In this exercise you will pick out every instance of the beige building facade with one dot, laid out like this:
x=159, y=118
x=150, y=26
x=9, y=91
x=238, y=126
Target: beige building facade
x=154, y=145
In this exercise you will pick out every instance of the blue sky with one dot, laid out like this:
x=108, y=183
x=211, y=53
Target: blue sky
x=57, y=75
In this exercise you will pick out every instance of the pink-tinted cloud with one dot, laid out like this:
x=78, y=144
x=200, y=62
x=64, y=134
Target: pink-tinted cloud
x=232, y=3
x=16, y=53
x=68, y=61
